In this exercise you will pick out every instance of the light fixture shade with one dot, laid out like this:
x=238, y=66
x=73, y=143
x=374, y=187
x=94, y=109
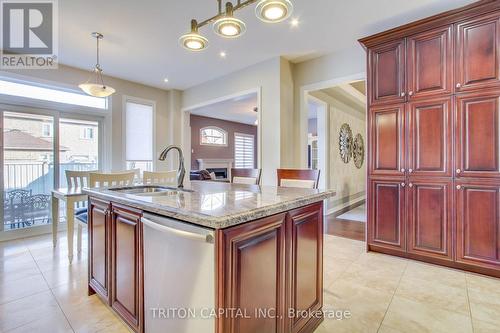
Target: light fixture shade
x=193, y=41
x=274, y=11
x=96, y=90
x=229, y=27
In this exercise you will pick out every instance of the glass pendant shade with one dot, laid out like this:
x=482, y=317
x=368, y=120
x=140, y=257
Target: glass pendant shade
x=229, y=27
x=193, y=42
x=274, y=11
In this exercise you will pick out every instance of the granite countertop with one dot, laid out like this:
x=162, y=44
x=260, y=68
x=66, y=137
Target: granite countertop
x=217, y=205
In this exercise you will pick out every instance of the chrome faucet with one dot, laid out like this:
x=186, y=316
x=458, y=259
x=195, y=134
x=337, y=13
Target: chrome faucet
x=181, y=171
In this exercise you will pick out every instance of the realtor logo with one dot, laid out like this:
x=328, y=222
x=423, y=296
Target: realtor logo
x=29, y=34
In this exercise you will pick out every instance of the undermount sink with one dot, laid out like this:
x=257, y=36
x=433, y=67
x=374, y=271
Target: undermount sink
x=149, y=190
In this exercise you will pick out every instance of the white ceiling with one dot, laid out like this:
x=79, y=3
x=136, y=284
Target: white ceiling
x=238, y=109
x=141, y=37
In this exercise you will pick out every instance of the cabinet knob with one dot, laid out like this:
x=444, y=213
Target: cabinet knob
x=410, y=185
x=459, y=171
x=403, y=184
x=403, y=94
x=410, y=170
x=410, y=93
x=459, y=187
x=403, y=170
x=458, y=85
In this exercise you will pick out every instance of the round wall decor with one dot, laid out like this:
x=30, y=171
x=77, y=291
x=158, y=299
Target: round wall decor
x=358, y=151
x=345, y=143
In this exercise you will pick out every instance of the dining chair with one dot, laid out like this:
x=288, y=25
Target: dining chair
x=150, y=177
x=303, y=178
x=97, y=179
x=246, y=176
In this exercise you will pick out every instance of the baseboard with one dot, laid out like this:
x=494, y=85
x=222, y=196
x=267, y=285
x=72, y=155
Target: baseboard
x=339, y=210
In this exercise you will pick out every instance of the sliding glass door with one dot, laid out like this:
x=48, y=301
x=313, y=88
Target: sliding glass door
x=31, y=169
x=28, y=169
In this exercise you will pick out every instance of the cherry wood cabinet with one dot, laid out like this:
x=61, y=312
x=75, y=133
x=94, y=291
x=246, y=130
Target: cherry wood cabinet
x=387, y=65
x=386, y=213
x=305, y=269
x=99, y=248
x=478, y=223
x=430, y=63
x=433, y=125
x=387, y=140
x=430, y=137
x=478, y=53
x=430, y=218
x=126, y=265
x=478, y=135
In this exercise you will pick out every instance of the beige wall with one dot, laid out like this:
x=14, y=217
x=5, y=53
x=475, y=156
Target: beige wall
x=71, y=77
x=348, y=181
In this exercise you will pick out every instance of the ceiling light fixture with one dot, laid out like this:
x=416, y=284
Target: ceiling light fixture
x=227, y=26
x=223, y=54
x=96, y=88
x=273, y=11
x=193, y=41
x=165, y=80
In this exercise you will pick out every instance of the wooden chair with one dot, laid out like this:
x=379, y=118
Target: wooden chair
x=149, y=177
x=246, y=176
x=304, y=178
x=97, y=179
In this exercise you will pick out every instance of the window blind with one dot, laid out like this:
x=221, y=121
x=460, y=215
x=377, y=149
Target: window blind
x=138, y=132
x=243, y=151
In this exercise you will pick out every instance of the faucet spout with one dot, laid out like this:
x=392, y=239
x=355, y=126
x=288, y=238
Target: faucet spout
x=181, y=172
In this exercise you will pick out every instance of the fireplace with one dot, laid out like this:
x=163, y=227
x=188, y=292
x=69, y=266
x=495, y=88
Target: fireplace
x=221, y=167
x=220, y=173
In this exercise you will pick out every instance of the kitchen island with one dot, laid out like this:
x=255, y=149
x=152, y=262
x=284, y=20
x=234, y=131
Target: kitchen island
x=211, y=257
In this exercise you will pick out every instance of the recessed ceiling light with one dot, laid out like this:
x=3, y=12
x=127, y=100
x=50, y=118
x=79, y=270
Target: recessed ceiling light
x=295, y=22
x=222, y=54
x=165, y=80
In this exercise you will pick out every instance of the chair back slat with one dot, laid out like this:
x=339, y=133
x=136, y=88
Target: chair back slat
x=78, y=179
x=150, y=177
x=305, y=178
x=246, y=176
x=97, y=179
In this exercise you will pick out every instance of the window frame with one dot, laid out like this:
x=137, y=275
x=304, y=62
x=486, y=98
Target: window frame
x=253, y=149
x=224, y=136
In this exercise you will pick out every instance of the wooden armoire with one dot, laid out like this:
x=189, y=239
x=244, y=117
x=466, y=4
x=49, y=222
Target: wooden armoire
x=433, y=91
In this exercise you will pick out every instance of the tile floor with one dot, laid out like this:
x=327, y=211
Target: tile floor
x=40, y=291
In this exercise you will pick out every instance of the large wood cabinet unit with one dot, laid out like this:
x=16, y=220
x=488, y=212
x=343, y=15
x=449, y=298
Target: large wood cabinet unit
x=274, y=264
x=434, y=139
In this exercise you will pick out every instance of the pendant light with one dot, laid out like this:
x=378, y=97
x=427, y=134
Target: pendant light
x=97, y=88
x=193, y=41
x=274, y=11
x=228, y=26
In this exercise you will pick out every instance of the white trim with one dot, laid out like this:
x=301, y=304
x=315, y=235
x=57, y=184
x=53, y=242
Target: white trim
x=137, y=100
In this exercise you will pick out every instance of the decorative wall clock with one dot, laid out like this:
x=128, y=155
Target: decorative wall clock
x=358, y=151
x=345, y=143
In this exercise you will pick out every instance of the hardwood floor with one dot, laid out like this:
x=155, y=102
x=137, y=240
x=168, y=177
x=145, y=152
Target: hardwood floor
x=345, y=228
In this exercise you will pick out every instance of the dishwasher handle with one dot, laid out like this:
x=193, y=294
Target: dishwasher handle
x=209, y=238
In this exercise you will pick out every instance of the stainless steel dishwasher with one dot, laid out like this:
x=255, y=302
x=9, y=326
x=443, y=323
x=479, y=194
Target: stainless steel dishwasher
x=179, y=276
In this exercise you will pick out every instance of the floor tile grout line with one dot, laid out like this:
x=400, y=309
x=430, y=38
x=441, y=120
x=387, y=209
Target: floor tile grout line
x=392, y=298
x=52, y=293
x=468, y=301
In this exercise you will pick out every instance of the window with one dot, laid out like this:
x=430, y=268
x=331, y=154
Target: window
x=47, y=130
x=213, y=136
x=243, y=151
x=51, y=95
x=87, y=133
x=138, y=134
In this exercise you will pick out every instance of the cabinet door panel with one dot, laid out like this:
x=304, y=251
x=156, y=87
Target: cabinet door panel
x=305, y=227
x=387, y=140
x=254, y=275
x=126, y=267
x=99, y=274
x=429, y=218
x=478, y=53
x=430, y=135
x=430, y=68
x=478, y=224
x=387, y=63
x=386, y=225
x=478, y=137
